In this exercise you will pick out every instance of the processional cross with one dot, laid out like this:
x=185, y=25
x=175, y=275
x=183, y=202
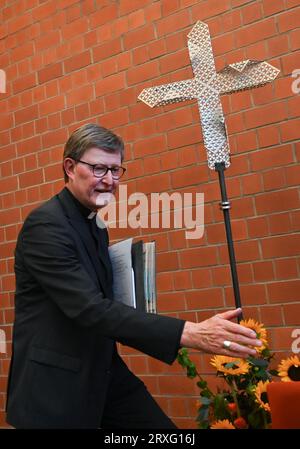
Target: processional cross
x=207, y=86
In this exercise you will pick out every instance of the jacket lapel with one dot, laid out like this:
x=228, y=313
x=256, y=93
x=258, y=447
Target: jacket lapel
x=80, y=225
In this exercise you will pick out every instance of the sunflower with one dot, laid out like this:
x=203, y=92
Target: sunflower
x=289, y=369
x=230, y=365
x=222, y=424
x=261, y=332
x=260, y=392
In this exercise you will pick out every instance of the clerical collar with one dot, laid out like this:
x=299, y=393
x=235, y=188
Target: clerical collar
x=85, y=212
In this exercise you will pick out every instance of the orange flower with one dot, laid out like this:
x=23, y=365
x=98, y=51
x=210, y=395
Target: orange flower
x=289, y=369
x=222, y=424
x=230, y=365
x=261, y=397
x=261, y=332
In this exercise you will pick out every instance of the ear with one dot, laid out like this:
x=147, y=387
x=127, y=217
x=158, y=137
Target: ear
x=69, y=166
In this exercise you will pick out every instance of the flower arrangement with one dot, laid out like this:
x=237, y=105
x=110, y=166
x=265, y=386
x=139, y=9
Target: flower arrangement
x=244, y=403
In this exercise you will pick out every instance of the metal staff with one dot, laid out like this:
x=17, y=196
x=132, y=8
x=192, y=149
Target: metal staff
x=207, y=86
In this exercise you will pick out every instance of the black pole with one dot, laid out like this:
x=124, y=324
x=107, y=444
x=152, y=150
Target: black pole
x=225, y=206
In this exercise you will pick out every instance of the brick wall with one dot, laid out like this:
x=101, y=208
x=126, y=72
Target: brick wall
x=69, y=62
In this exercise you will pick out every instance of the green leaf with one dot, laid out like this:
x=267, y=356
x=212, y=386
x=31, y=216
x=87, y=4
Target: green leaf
x=258, y=362
x=220, y=407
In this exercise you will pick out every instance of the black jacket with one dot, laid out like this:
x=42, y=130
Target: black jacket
x=66, y=322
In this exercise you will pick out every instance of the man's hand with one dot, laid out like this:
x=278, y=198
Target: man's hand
x=209, y=336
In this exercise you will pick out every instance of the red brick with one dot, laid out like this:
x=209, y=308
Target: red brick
x=182, y=280
x=286, y=269
x=251, y=13
x=198, y=257
x=291, y=314
x=138, y=37
x=274, y=179
x=290, y=130
x=75, y=28
x=171, y=302
x=295, y=40
x=278, y=45
x=54, y=138
x=256, y=32
x=212, y=297
x=173, y=23
x=110, y=84
x=284, y=291
x=152, y=12
x=290, y=62
x=31, y=178
x=289, y=20
x=80, y=95
x=187, y=176
x=209, y=8
x=104, y=51
x=24, y=83
x=174, y=61
x=50, y=72
x=252, y=183
x=152, y=145
x=293, y=175
x=26, y=114
x=265, y=115
x=274, y=157
x=270, y=7
x=164, y=282
x=19, y=22
x=184, y=136
x=277, y=201
x=271, y=316
x=253, y=294
x=281, y=246
x=268, y=136
x=77, y=62
x=142, y=72
x=263, y=271
x=136, y=19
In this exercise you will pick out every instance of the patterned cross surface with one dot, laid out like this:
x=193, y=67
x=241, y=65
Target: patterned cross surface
x=207, y=86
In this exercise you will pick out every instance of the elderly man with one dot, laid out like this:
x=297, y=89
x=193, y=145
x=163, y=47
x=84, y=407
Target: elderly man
x=65, y=369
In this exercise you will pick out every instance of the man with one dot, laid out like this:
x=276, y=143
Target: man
x=65, y=369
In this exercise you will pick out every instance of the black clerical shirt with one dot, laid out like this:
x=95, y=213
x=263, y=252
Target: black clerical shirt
x=97, y=233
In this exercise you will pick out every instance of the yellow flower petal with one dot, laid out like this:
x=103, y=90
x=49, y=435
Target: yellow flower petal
x=289, y=369
x=223, y=364
x=261, y=394
x=222, y=424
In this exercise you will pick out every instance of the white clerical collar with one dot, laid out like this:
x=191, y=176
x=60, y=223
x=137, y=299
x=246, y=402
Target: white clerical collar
x=91, y=215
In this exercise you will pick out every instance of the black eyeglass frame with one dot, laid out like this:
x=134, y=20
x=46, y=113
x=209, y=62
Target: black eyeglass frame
x=107, y=169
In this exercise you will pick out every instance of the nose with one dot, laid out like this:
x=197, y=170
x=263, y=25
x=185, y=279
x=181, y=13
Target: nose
x=107, y=178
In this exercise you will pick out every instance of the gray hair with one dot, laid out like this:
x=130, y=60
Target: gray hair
x=91, y=136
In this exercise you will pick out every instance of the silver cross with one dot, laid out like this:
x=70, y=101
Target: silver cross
x=207, y=86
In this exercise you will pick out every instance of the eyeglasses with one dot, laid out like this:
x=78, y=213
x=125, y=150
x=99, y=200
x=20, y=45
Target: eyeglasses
x=100, y=171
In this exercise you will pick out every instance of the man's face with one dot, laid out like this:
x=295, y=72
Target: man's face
x=92, y=192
